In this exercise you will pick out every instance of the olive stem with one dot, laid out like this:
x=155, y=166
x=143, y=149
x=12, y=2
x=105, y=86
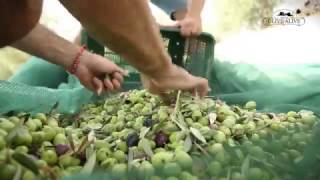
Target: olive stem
x=177, y=102
x=201, y=149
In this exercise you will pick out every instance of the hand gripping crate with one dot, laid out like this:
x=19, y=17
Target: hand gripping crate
x=193, y=54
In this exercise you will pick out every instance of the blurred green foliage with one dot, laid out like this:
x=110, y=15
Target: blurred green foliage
x=232, y=16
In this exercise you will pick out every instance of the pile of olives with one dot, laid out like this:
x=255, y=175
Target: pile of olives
x=135, y=135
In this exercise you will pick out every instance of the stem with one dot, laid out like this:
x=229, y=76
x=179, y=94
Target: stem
x=201, y=149
x=177, y=102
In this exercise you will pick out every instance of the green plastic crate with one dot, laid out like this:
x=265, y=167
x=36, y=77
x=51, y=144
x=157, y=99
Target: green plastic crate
x=195, y=55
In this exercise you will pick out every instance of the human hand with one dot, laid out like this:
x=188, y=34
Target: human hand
x=190, y=26
x=98, y=73
x=176, y=79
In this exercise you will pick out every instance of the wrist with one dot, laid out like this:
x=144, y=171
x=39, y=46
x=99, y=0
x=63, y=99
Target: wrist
x=193, y=15
x=160, y=68
x=76, y=60
x=63, y=56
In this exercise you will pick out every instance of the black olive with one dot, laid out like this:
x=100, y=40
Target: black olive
x=34, y=150
x=61, y=149
x=148, y=122
x=271, y=116
x=127, y=101
x=161, y=139
x=132, y=139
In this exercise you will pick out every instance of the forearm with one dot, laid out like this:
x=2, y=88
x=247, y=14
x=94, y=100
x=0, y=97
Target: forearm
x=126, y=27
x=195, y=7
x=46, y=44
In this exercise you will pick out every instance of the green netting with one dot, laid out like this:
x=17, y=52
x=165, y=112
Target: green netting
x=277, y=88
x=38, y=86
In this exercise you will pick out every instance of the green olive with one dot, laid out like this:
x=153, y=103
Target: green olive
x=229, y=122
x=7, y=171
x=22, y=149
x=251, y=105
x=108, y=128
x=50, y=157
x=60, y=139
x=215, y=148
x=108, y=163
x=220, y=137
x=119, y=171
x=120, y=156
x=214, y=168
x=6, y=125
x=171, y=169
x=42, y=117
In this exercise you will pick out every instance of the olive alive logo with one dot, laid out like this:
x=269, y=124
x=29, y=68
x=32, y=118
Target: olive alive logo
x=285, y=17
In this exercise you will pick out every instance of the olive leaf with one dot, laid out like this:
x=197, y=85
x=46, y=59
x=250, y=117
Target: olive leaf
x=90, y=164
x=212, y=118
x=18, y=174
x=181, y=120
x=146, y=147
x=130, y=158
x=91, y=136
x=26, y=161
x=201, y=149
x=262, y=162
x=231, y=142
x=143, y=132
x=174, y=118
x=177, y=116
x=245, y=167
x=238, y=153
x=159, y=126
x=198, y=135
x=71, y=141
x=89, y=151
x=229, y=174
x=84, y=144
x=187, y=143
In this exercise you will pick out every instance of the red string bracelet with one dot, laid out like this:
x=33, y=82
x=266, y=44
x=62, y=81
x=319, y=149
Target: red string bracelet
x=74, y=66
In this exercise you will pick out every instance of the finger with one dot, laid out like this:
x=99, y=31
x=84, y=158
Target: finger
x=162, y=94
x=108, y=84
x=116, y=84
x=172, y=24
x=123, y=72
x=202, y=87
x=186, y=32
x=118, y=76
x=195, y=32
x=183, y=32
x=85, y=79
x=199, y=31
x=98, y=86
